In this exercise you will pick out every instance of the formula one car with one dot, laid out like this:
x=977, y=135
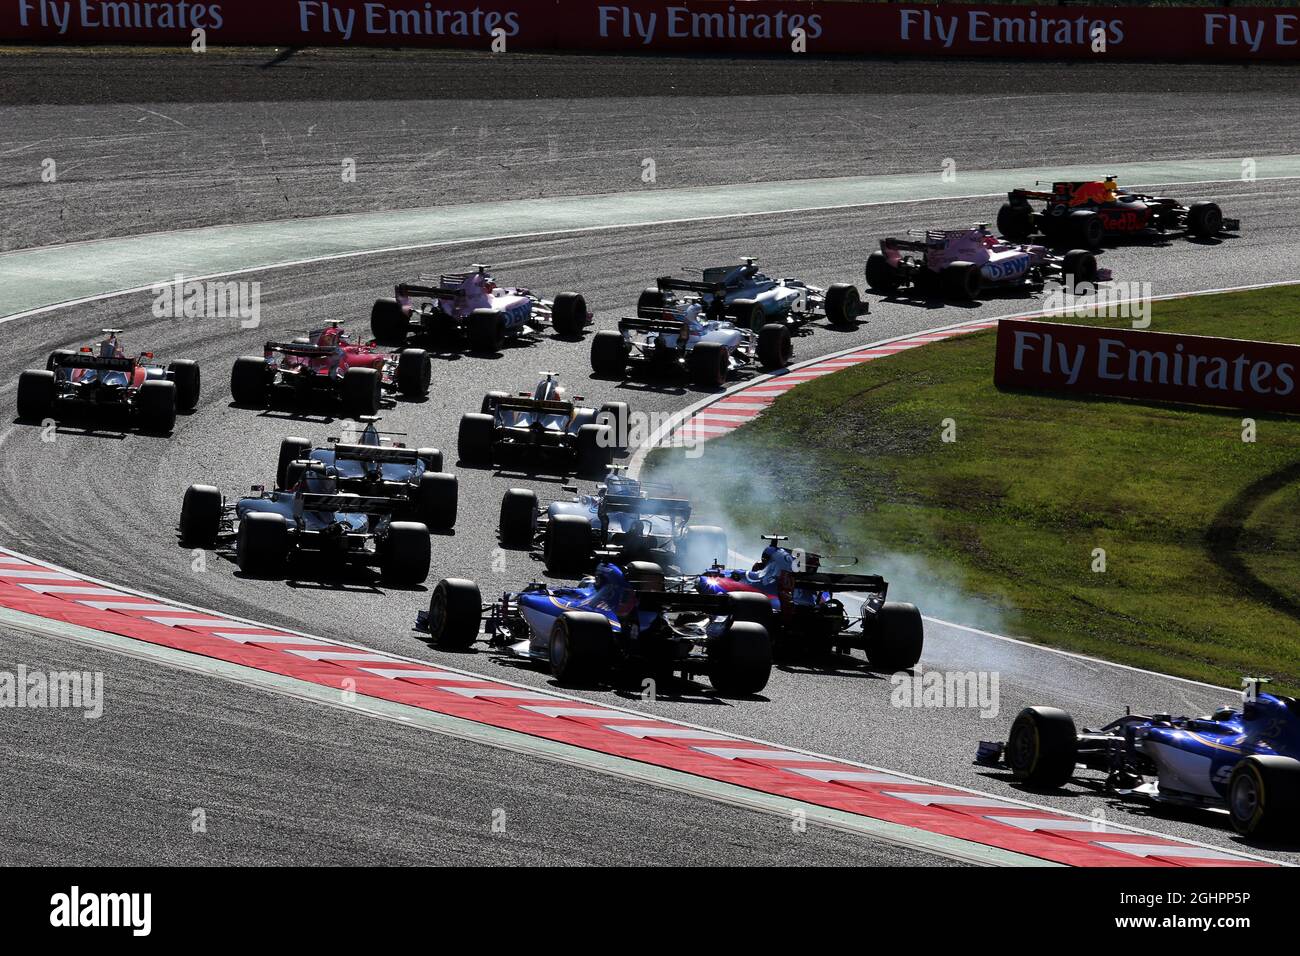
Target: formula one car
x=959, y=264
x=706, y=349
x=266, y=527
x=1243, y=761
x=751, y=299
x=621, y=619
x=543, y=423
x=103, y=376
x=472, y=305
x=328, y=362
x=623, y=520
x=1086, y=213
x=370, y=468
x=794, y=599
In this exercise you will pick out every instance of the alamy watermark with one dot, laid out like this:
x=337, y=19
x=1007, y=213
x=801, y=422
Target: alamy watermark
x=78, y=690
x=1116, y=300
x=208, y=299
x=973, y=690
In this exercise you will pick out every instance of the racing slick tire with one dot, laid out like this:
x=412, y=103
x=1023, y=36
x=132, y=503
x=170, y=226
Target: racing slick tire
x=36, y=391
x=1264, y=796
x=155, y=403
x=249, y=382
x=752, y=607
x=1015, y=222
x=431, y=457
x=582, y=647
x=517, y=525
x=362, y=391
x=961, y=281
x=609, y=354
x=708, y=364
x=262, y=545
x=645, y=576
x=651, y=304
x=843, y=304
x=487, y=330
x=291, y=450
x=748, y=314
x=881, y=276
x=200, y=516
x=569, y=315
x=1204, y=220
x=898, y=638
x=475, y=438
x=1086, y=228
x=489, y=405
x=455, y=613
x=702, y=545
x=594, y=450
x=1042, y=747
x=55, y=356
x=617, y=418
x=414, y=372
x=774, y=347
x=389, y=322
x=405, y=554
x=185, y=373
x=740, y=659
x=567, y=544
x=436, y=500
x=1079, y=268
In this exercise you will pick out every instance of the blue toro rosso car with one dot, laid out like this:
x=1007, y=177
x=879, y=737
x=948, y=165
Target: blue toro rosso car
x=623, y=520
x=1243, y=761
x=620, y=620
x=266, y=527
x=372, y=467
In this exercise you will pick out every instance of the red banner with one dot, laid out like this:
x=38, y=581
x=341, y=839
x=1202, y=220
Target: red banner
x=1156, y=366
x=737, y=26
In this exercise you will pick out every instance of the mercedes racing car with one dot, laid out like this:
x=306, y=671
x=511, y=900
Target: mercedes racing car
x=795, y=600
x=1245, y=761
x=751, y=299
x=623, y=520
x=101, y=377
x=372, y=467
x=1087, y=213
x=543, y=425
x=960, y=264
x=266, y=527
x=328, y=362
x=472, y=306
x=621, y=620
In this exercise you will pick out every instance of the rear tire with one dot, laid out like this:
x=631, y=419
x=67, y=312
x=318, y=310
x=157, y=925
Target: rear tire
x=291, y=450
x=843, y=304
x=582, y=646
x=748, y=314
x=250, y=381
x=567, y=548
x=594, y=450
x=489, y=404
x=474, y=440
x=361, y=392
x=517, y=525
x=569, y=315
x=389, y=322
x=961, y=281
x=405, y=554
x=200, y=516
x=262, y=545
x=898, y=640
x=1264, y=797
x=609, y=354
x=431, y=457
x=651, y=304
x=437, y=498
x=487, y=330
x=36, y=391
x=774, y=347
x=740, y=659
x=414, y=372
x=752, y=607
x=155, y=403
x=881, y=276
x=1079, y=267
x=455, y=613
x=185, y=373
x=1086, y=228
x=1042, y=747
x=1015, y=222
x=708, y=365
x=617, y=418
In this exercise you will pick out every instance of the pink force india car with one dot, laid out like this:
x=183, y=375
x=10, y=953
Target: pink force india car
x=471, y=307
x=960, y=264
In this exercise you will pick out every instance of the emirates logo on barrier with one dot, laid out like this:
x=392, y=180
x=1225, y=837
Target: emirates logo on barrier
x=1156, y=366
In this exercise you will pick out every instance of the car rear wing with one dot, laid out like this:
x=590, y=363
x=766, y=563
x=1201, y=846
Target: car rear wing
x=674, y=507
x=430, y=291
x=893, y=244
x=832, y=582
x=352, y=504
x=534, y=405
x=668, y=283
x=1017, y=196
x=682, y=601
x=382, y=453
x=97, y=362
x=299, y=350
x=662, y=326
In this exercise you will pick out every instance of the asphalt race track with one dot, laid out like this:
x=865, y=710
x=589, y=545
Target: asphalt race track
x=227, y=150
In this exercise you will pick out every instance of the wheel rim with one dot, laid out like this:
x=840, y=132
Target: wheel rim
x=1244, y=798
x=1022, y=748
x=437, y=612
x=559, y=649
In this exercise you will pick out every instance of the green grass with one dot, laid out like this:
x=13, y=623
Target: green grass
x=1200, y=529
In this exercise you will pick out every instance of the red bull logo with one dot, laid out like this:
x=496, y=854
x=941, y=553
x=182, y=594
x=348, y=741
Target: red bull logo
x=1090, y=194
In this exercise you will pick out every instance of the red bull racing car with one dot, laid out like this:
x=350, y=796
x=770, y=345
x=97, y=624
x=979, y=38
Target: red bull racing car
x=1086, y=213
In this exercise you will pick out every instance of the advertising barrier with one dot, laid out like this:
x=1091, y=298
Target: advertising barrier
x=694, y=26
x=1154, y=366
